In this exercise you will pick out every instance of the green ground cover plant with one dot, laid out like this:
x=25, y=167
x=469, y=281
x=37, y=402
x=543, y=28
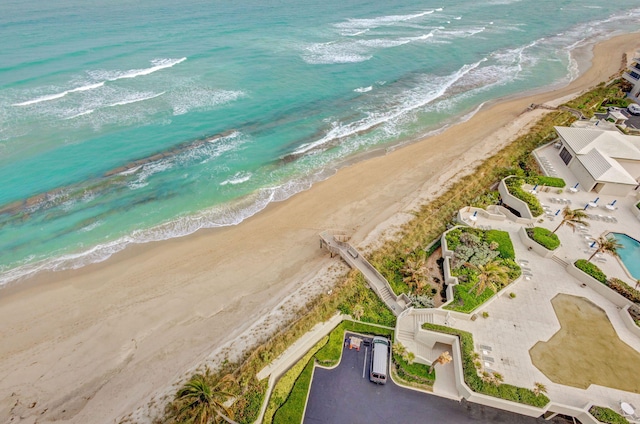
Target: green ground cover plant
x=591, y=269
x=590, y=102
x=485, y=386
x=607, y=415
x=373, y=309
x=282, y=391
x=544, y=237
x=483, y=262
x=546, y=181
x=291, y=411
x=413, y=372
x=514, y=185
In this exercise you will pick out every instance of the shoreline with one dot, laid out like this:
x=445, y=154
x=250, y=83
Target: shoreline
x=134, y=323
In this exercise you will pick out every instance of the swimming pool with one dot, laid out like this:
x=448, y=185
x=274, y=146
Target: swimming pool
x=629, y=254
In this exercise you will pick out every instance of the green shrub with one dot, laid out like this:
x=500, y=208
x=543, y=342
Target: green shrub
x=284, y=387
x=515, y=188
x=374, y=310
x=473, y=380
x=547, y=181
x=591, y=269
x=465, y=300
x=416, y=373
x=638, y=205
x=624, y=290
x=607, y=415
x=505, y=247
x=291, y=411
x=544, y=237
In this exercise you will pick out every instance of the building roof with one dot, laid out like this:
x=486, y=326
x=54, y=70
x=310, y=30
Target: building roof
x=598, y=150
x=603, y=168
x=609, y=143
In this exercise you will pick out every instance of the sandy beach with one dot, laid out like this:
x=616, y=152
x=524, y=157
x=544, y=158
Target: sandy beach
x=104, y=341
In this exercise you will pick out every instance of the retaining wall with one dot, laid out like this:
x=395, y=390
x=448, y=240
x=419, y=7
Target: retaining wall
x=533, y=245
x=598, y=287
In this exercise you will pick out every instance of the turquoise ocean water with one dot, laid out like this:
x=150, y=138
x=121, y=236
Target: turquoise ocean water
x=126, y=122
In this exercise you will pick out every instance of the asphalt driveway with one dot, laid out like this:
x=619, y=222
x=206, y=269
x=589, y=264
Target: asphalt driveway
x=345, y=395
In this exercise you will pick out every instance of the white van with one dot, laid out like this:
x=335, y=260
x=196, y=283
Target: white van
x=379, y=360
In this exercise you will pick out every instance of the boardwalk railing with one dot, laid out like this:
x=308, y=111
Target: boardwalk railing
x=376, y=281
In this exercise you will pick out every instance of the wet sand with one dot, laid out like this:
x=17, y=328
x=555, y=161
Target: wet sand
x=95, y=344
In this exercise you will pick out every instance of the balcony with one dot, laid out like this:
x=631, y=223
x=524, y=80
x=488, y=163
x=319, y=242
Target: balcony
x=632, y=76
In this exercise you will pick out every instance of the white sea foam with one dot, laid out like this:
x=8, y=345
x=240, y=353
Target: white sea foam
x=372, y=23
x=107, y=76
x=238, y=178
x=59, y=95
x=137, y=98
x=414, y=101
x=363, y=89
x=220, y=216
x=85, y=112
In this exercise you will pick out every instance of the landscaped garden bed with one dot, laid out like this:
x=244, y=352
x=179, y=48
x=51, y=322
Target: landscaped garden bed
x=544, y=237
x=591, y=269
x=514, y=185
x=607, y=415
x=487, y=384
x=546, y=181
x=483, y=262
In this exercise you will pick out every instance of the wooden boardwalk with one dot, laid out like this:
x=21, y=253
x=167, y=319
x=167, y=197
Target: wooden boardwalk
x=376, y=281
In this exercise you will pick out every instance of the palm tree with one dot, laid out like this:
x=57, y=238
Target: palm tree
x=491, y=275
x=572, y=217
x=200, y=402
x=443, y=359
x=539, y=388
x=606, y=245
x=358, y=311
x=409, y=357
x=415, y=271
x=399, y=349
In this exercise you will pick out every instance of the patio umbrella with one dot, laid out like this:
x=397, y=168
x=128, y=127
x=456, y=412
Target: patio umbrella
x=596, y=201
x=593, y=244
x=614, y=202
x=475, y=213
x=535, y=186
x=586, y=206
x=557, y=212
x=576, y=186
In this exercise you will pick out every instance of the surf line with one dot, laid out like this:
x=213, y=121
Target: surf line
x=59, y=195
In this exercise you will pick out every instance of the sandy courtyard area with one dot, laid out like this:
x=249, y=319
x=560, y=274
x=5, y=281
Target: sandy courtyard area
x=587, y=349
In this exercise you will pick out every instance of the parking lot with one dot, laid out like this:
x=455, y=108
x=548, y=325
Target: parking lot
x=345, y=395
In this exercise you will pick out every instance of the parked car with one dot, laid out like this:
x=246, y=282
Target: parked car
x=634, y=109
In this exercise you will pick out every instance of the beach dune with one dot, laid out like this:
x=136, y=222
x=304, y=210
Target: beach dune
x=94, y=344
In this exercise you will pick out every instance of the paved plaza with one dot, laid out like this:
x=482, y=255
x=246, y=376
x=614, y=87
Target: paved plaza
x=515, y=325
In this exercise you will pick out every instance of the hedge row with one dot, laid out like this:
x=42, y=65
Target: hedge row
x=477, y=384
x=591, y=269
x=515, y=188
x=547, y=181
x=544, y=237
x=607, y=415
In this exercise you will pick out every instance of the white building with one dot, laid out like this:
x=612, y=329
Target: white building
x=632, y=74
x=607, y=162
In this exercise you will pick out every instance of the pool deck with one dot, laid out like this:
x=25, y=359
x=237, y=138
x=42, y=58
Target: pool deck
x=515, y=325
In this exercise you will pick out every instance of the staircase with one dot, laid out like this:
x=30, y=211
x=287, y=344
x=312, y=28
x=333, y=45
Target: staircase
x=420, y=319
x=557, y=260
x=386, y=295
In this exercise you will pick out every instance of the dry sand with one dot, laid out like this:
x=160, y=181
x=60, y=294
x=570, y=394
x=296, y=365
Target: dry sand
x=95, y=344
